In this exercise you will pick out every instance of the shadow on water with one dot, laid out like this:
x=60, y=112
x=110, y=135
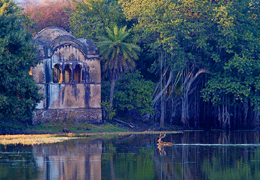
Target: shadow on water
x=188, y=155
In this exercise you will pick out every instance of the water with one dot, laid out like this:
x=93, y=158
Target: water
x=193, y=155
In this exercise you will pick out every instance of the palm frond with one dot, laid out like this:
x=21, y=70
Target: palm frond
x=122, y=35
x=119, y=56
x=110, y=34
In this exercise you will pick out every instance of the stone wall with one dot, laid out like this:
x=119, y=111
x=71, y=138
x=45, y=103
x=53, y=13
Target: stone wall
x=67, y=115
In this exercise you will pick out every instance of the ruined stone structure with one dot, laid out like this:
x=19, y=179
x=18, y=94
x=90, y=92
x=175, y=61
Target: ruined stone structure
x=69, y=77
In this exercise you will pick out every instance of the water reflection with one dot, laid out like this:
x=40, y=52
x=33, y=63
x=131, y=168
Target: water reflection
x=189, y=155
x=17, y=162
x=71, y=160
x=197, y=156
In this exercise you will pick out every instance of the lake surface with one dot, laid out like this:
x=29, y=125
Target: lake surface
x=193, y=155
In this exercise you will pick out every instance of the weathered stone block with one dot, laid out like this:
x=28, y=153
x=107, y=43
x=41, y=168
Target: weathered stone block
x=67, y=115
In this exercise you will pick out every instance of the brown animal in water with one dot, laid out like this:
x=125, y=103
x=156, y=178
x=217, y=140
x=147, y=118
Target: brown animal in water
x=162, y=144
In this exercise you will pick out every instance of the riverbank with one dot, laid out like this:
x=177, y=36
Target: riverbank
x=28, y=139
x=59, y=128
x=57, y=132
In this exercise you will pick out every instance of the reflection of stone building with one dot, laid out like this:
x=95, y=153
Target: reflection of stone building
x=69, y=161
x=69, y=77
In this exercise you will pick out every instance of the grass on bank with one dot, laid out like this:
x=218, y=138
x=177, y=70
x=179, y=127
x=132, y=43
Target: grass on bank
x=74, y=128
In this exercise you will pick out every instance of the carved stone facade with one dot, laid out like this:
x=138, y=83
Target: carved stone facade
x=69, y=77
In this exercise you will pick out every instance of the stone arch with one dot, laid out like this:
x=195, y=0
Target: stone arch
x=67, y=40
x=78, y=73
x=57, y=74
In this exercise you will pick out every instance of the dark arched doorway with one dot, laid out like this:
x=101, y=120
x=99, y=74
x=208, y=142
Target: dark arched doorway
x=77, y=74
x=67, y=73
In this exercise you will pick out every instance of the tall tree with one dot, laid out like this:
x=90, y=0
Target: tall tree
x=119, y=55
x=18, y=92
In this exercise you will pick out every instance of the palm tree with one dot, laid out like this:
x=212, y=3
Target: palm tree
x=119, y=56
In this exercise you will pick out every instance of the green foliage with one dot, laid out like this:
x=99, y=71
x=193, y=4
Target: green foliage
x=118, y=55
x=12, y=128
x=109, y=112
x=236, y=56
x=132, y=93
x=92, y=16
x=219, y=36
x=18, y=92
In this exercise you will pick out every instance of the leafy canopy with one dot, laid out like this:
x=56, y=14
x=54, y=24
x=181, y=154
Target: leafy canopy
x=220, y=36
x=132, y=94
x=92, y=16
x=18, y=92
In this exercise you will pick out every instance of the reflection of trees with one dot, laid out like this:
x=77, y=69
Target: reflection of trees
x=175, y=162
x=17, y=162
x=135, y=166
x=234, y=162
x=132, y=163
x=185, y=161
x=233, y=168
x=112, y=151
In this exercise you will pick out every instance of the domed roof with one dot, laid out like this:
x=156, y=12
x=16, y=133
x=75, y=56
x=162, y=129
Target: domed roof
x=54, y=37
x=47, y=35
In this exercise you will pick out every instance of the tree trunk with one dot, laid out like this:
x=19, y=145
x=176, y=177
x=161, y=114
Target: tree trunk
x=112, y=87
x=185, y=109
x=256, y=119
x=245, y=108
x=188, y=79
x=164, y=89
x=162, y=95
x=162, y=111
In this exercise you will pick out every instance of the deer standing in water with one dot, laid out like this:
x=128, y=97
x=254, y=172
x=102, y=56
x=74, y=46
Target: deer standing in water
x=162, y=144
